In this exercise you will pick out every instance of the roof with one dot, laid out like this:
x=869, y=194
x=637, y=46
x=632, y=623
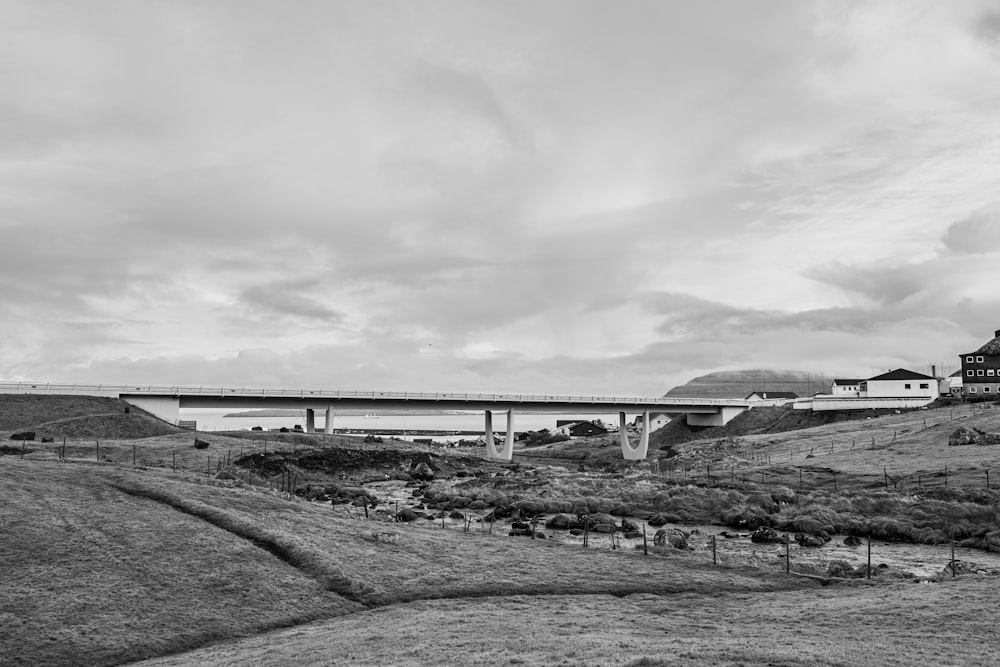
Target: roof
x=773, y=394
x=841, y=381
x=900, y=374
x=956, y=374
x=991, y=348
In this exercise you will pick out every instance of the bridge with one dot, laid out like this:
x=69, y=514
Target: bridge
x=166, y=402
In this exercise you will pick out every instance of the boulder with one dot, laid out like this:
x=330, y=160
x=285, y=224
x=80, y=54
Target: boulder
x=674, y=537
x=766, y=535
x=23, y=435
x=48, y=439
x=519, y=532
x=457, y=516
x=657, y=520
x=629, y=526
x=405, y=514
x=519, y=525
x=809, y=540
x=200, y=444
x=852, y=541
x=478, y=505
x=559, y=522
x=422, y=471
x=966, y=435
x=603, y=528
x=225, y=474
x=576, y=531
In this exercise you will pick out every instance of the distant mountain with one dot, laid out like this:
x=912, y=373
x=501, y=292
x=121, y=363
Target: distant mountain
x=738, y=384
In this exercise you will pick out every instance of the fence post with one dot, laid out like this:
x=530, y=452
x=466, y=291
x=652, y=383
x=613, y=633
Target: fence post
x=953, y=552
x=946, y=477
x=987, y=478
x=885, y=477
x=869, y=555
x=133, y=454
x=645, y=544
x=173, y=461
x=97, y=450
x=788, y=557
x=714, y=559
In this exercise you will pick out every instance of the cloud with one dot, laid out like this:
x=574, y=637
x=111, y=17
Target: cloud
x=979, y=233
x=287, y=298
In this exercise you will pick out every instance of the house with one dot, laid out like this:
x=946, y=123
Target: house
x=900, y=383
x=657, y=420
x=981, y=369
x=955, y=383
x=846, y=387
x=771, y=396
x=580, y=429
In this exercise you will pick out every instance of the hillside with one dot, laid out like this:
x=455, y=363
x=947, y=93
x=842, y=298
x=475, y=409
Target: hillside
x=740, y=383
x=72, y=416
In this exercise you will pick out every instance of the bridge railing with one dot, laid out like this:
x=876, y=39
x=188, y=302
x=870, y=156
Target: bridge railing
x=262, y=392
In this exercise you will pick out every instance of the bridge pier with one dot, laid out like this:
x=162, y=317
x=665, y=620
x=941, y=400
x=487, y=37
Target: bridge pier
x=506, y=452
x=637, y=452
x=328, y=426
x=310, y=420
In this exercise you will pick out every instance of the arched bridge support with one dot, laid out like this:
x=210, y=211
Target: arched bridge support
x=637, y=452
x=506, y=452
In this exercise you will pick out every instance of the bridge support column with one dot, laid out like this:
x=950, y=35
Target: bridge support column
x=310, y=420
x=328, y=426
x=638, y=452
x=505, y=453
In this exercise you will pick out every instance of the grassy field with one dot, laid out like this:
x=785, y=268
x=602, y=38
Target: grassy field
x=108, y=563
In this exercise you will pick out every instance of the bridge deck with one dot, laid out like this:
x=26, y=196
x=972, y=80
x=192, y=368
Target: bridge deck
x=207, y=397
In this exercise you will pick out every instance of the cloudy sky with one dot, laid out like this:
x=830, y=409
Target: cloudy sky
x=530, y=196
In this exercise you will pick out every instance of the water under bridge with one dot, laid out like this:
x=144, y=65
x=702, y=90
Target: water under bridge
x=166, y=402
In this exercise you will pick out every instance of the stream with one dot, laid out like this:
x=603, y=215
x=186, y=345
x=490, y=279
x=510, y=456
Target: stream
x=921, y=560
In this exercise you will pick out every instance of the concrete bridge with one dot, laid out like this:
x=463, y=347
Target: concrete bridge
x=166, y=401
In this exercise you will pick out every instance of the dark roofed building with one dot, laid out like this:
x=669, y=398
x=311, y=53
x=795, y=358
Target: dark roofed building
x=981, y=369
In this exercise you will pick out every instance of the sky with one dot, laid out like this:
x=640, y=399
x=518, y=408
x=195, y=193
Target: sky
x=557, y=196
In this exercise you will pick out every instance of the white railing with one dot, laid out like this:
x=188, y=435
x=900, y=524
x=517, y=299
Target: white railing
x=262, y=392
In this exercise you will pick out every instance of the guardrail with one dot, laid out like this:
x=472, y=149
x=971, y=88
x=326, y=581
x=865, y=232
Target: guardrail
x=263, y=392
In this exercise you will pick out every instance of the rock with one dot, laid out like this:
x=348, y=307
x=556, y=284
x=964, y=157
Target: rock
x=629, y=526
x=458, y=502
x=353, y=492
x=965, y=567
x=559, y=522
x=632, y=535
x=225, y=474
x=966, y=435
x=540, y=536
x=843, y=570
x=606, y=528
x=457, y=515
x=519, y=532
x=422, y=471
x=852, y=541
x=530, y=507
x=48, y=439
x=657, y=520
x=519, y=525
x=23, y=435
x=674, y=537
x=809, y=540
x=576, y=531
x=729, y=535
x=478, y=505
x=766, y=535
x=200, y=444
x=406, y=515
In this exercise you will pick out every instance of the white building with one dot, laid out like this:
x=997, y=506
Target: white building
x=900, y=383
x=846, y=387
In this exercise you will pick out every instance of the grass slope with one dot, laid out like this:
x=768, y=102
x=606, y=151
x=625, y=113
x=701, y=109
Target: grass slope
x=73, y=416
x=951, y=623
x=95, y=576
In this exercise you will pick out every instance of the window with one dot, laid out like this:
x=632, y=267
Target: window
x=989, y=371
x=972, y=390
x=906, y=386
x=979, y=360
x=980, y=373
x=968, y=360
x=924, y=385
x=970, y=372
x=986, y=389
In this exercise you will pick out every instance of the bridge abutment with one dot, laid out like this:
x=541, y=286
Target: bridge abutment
x=328, y=426
x=310, y=420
